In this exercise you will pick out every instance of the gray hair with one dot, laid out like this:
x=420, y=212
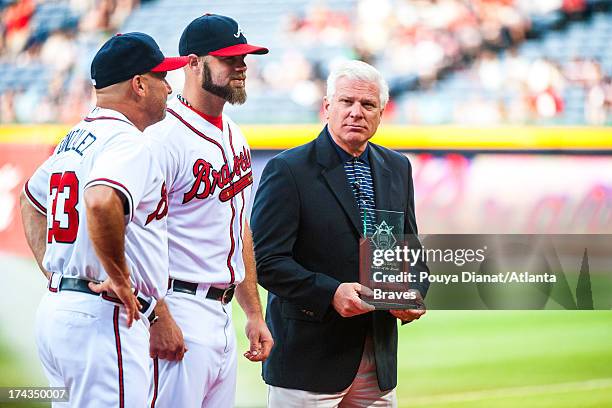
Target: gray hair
x=355, y=69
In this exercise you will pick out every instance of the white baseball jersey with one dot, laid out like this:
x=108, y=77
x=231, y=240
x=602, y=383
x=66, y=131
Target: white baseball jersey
x=103, y=149
x=209, y=177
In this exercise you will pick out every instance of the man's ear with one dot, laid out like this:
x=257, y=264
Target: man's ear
x=193, y=69
x=326, y=103
x=193, y=60
x=138, y=85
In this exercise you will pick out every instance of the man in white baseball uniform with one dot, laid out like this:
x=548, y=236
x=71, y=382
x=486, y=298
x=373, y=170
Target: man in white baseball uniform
x=207, y=164
x=94, y=216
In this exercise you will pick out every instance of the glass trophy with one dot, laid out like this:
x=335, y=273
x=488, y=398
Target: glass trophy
x=383, y=267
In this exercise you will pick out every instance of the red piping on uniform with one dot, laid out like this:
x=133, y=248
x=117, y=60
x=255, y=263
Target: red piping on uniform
x=231, y=252
x=54, y=290
x=119, y=357
x=197, y=132
x=241, y=213
x=88, y=119
x=130, y=199
x=216, y=121
x=32, y=199
x=229, y=257
x=106, y=296
x=203, y=136
x=155, y=381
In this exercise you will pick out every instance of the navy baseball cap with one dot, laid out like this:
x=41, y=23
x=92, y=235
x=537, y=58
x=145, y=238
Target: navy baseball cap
x=216, y=35
x=126, y=55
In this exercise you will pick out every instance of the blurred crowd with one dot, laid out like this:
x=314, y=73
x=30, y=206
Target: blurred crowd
x=520, y=90
x=52, y=35
x=513, y=89
x=415, y=43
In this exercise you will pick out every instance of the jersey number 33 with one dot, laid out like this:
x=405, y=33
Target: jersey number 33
x=63, y=221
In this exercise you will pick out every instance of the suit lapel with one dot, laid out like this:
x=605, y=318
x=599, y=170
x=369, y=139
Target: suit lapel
x=381, y=176
x=335, y=177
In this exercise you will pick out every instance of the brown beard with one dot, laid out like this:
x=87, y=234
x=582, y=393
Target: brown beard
x=235, y=96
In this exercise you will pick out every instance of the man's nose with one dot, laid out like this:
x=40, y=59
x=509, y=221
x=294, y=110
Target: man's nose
x=241, y=65
x=356, y=110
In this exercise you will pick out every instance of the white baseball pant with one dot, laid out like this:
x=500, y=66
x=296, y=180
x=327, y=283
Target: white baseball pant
x=206, y=376
x=84, y=344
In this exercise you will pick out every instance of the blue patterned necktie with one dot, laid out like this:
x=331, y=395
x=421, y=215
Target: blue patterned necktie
x=359, y=176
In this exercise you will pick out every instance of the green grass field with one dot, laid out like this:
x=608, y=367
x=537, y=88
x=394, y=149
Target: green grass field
x=492, y=359
x=459, y=359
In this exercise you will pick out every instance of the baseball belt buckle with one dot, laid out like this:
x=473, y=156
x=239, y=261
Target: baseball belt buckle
x=228, y=294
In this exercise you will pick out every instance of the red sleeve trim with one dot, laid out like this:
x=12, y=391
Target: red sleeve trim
x=118, y=186
x=33, y=200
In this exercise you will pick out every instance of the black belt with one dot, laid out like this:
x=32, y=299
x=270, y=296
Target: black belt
x=222, y=295
x=82, y=285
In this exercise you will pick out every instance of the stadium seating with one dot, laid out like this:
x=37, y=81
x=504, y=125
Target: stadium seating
x=286, y=85
x=588, y=39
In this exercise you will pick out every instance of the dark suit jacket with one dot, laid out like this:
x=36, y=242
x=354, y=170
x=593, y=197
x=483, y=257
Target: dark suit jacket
x=305, y=224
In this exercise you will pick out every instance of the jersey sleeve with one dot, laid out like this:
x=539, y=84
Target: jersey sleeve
x=36, y=187
x=125, y=164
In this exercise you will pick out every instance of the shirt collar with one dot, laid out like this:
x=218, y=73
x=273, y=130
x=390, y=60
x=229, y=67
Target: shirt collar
x=106, y=113
x=345, y=156
x=214, y=120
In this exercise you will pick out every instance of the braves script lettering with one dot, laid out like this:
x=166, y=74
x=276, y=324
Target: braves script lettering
x=162, y=207
x=207, y=179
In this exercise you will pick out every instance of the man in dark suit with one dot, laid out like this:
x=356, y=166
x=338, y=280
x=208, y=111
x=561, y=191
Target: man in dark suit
x=331, y=348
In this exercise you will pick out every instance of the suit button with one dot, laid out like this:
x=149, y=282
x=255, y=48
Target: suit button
x=307, y=312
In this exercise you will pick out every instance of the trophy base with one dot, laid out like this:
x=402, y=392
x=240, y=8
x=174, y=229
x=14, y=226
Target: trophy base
x=389, y=305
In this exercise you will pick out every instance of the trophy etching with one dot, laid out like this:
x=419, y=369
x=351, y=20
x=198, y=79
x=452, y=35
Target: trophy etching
x=381, y=268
